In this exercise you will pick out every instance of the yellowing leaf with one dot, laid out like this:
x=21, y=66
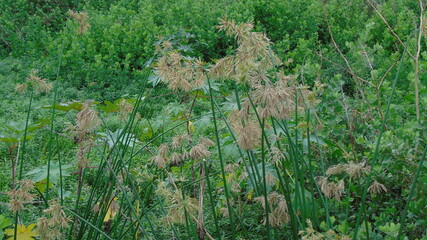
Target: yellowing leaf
x=111, y=212
x=250, y=194
x=190, y=126
x=23, y=233
x=41, y=185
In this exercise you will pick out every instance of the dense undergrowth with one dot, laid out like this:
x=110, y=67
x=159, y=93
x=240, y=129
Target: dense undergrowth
x=223, y=119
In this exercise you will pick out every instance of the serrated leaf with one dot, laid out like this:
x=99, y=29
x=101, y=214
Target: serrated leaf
x=109, y=107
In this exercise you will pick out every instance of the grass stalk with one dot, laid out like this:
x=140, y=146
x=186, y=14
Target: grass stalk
x=226, y=190
x=211, y=200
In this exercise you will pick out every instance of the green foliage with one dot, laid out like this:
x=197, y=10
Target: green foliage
x=345, y=54
x=56, y=171
x=4, y=223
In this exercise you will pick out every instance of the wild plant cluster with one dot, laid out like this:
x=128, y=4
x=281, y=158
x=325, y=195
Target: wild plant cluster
x=230, y=136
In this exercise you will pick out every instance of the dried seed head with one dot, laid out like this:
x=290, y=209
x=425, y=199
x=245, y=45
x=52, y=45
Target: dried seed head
x=335, y=169
x=276, y=155
x=270, y=178
x=185, y=155
x=81, y=18
x=331, y=189
x=43, y=86
x=55, y=234
x=199, y=151
x=353, y=170
x=163, y=150
x=223, y=68
x=43, y=228
x=274, y=100
x=176, y=158
x=248, y=131
x=377, y=188
x=16, y=205
x=278, y=216
x=180, y=206
x=230, y=167
x=243, y=175
x=26, y=185
x=309, y=233
x=179, y=140
x=21, y=88
x=179, y=72
x=159, y=161
x=58, y=218
x=21, y=195
x=85, y=145
x=207, y=142
x=166, y=45
x=50, y=228
x=339, y=189
x=356, y=170
x=253, y=53
x=250, y=136
x=235, y=187
x=39, y=84
x=87, y=119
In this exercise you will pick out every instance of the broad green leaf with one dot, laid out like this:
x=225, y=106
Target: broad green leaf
x=41, y=185
x=4, y=223
x=109, y=107
x=18, y=127
x=39, y=174
x=68, y=106
x=15, y=138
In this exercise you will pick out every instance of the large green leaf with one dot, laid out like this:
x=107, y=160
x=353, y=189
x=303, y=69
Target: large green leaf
x=39, y=174
x=4, y=223
x=18, y=127
x=116, y=106
x=68, y=106
x=15, y=137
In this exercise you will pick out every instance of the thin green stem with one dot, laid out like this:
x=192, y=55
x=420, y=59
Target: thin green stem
x=264, y=179
x=211, y=200
x=230, y=210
